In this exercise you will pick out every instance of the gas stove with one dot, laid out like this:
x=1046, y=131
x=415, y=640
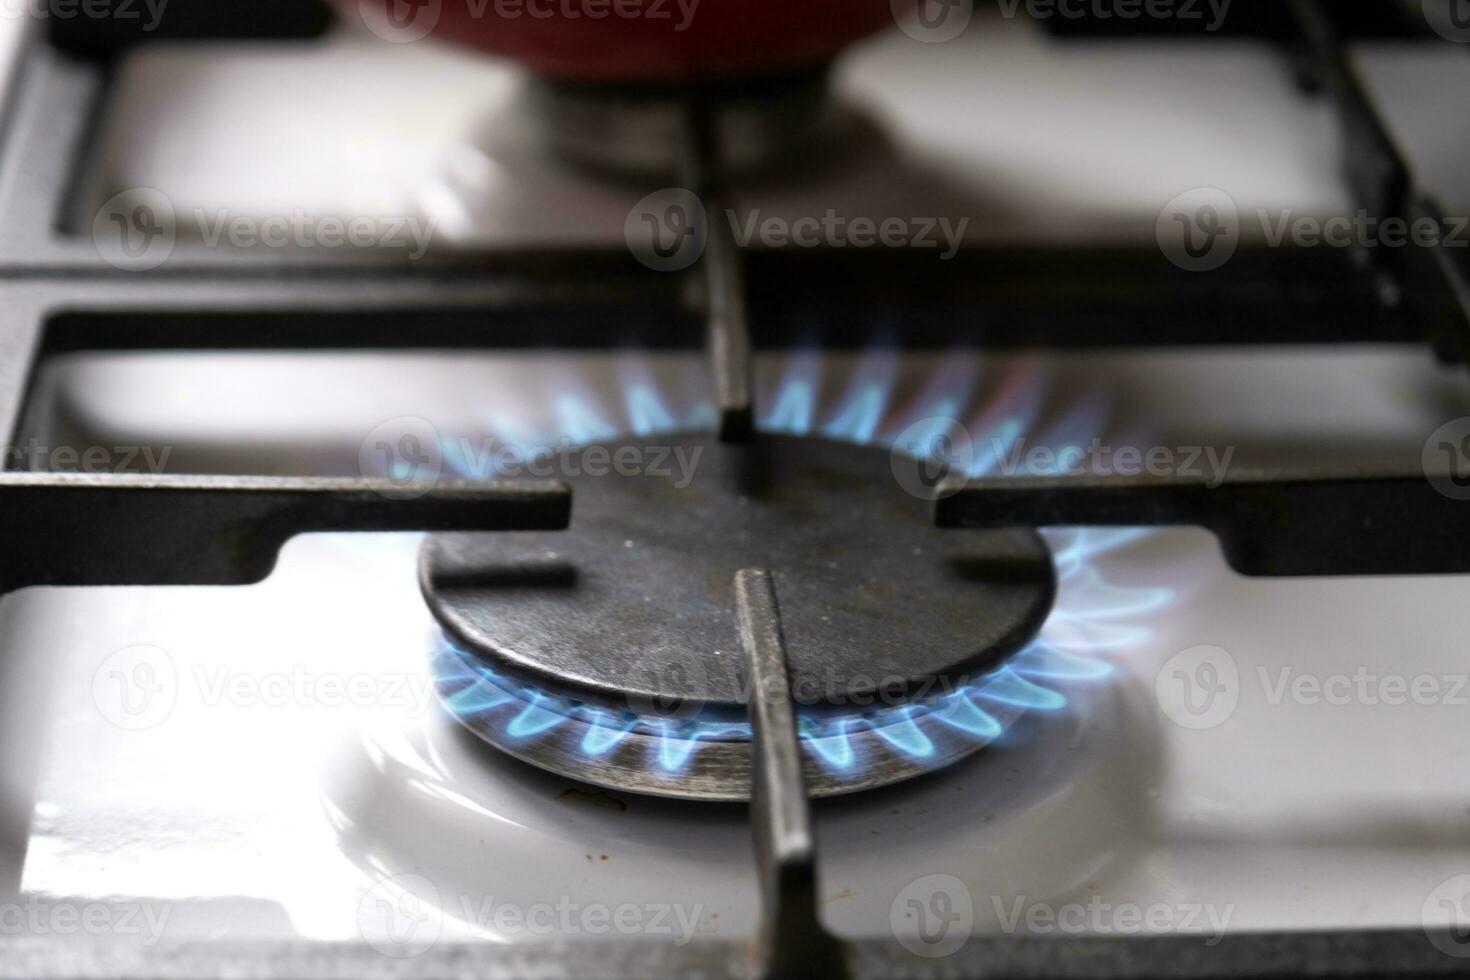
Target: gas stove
x=956, y=510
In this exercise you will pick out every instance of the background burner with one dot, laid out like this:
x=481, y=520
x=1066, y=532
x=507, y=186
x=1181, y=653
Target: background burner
x=627, y=620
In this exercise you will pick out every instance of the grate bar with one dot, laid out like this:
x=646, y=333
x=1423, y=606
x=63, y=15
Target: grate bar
x=108, y=529
x=792, y=942
x=1379, y=175
x=1433, y=282
x=1343, y=523
x=727, y=323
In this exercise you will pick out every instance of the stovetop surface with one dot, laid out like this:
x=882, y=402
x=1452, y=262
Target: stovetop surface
x=269, y=762
x=266, y=802
x=1061, y=144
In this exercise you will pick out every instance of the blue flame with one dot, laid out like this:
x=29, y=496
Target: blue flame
x=477, y=693
x=604, y=734
x=835, y=750
x=905, y=735
x=795, y=405
x=1092, y=616
x=581, y=422
x=866, y=400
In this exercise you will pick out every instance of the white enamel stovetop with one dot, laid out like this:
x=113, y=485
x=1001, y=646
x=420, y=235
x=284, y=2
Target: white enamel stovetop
x=191, y=750
x=237, y=788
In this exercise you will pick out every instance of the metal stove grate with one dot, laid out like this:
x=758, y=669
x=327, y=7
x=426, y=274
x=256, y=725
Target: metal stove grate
x=64, y=530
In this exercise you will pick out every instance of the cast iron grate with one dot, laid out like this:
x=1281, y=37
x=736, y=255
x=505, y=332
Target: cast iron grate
x=56, y=529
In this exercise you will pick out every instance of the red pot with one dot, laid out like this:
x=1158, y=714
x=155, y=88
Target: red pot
x=636, y=40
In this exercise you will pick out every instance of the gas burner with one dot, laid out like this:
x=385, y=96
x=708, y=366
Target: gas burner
x=608, y=653
x=642, y=131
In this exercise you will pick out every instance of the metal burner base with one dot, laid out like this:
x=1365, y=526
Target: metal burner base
x=609, y=652
x=632, y=608
x=713, y=762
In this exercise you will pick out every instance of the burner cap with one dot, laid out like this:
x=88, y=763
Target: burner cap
x=633, y=607
x=609, y=653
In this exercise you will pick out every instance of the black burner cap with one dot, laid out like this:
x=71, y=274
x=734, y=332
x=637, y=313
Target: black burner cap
x=634, y=604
